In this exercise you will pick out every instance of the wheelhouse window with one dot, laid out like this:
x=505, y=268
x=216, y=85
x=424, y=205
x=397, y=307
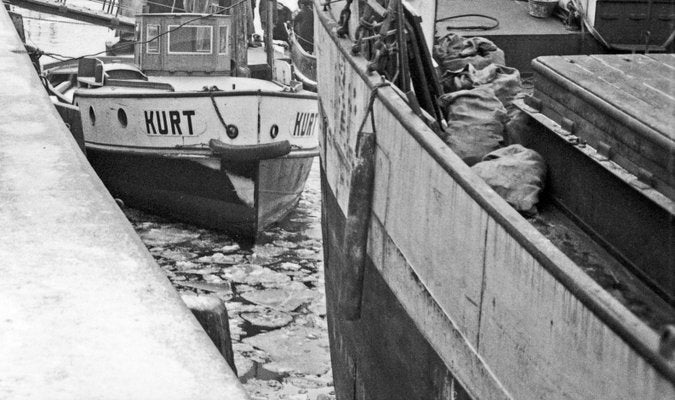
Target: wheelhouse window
x=223, y=47
x=190, y=39
x=153, y=44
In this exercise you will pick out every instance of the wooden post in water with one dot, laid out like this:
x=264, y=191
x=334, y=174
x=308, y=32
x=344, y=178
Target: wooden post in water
x=211, y=313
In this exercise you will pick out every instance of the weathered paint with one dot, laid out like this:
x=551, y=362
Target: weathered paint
x=280, y=184
x=190, y=118
x=494, y=299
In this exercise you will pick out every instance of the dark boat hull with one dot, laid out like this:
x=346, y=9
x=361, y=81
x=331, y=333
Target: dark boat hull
x=381, y=354
x=240, y=198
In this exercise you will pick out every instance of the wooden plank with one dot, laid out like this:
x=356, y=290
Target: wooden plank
x=650, y=72
x=634, y=83
x=666, y=59
x=653, y=146
x=626, y=150
x=624, y=102
x=620, y=133
x=653, y=71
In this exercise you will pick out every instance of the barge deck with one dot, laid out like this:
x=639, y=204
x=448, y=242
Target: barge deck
x=519, y=35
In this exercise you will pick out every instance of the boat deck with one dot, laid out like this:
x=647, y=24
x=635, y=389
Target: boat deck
x=521, y=36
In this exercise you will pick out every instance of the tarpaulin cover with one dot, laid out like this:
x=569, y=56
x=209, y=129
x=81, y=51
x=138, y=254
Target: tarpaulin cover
x=517, y=174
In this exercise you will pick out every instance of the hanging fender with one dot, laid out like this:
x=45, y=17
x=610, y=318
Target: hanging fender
x=252, y=152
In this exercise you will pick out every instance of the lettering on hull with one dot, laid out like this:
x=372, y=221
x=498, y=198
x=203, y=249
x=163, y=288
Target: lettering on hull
x=304, y=124
x=174, y=123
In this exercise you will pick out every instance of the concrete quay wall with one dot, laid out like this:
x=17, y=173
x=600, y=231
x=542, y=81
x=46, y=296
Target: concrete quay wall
x=85, y=312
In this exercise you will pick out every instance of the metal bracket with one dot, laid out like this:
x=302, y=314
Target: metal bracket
x=568, y=125
x=534, y=103
x=604, y=150
x=645, y=177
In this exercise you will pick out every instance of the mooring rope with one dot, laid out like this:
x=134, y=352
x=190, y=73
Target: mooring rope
x=211, y=90
x=371, y=102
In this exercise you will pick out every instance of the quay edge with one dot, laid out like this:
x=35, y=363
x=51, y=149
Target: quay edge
x=86, y=311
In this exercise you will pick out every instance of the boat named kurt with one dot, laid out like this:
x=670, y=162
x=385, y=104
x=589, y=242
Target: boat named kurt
x=184, y=131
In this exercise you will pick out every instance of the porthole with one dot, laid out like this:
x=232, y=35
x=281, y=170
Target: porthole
x=232, y=131
x=122, y=117
x=92, y=115
x=274, y=131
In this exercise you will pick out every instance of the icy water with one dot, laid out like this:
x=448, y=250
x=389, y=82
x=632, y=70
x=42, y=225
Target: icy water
x=273, y=289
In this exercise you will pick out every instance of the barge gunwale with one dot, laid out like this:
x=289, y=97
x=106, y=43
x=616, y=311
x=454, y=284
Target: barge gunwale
x=628, y=327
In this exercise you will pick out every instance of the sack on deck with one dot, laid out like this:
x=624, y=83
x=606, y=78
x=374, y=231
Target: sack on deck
x=504, y=81
x=453, y=52
x=476, y=121
x=517, y=174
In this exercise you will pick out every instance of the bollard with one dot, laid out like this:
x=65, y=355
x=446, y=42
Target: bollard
x=211, y=313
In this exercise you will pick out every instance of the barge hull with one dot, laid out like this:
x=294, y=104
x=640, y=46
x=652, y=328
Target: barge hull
x=507, y=313
x=361, y=369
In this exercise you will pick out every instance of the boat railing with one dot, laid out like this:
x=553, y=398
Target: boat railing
x=140, y=84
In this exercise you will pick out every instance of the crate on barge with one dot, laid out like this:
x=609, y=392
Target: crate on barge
x=620, y=109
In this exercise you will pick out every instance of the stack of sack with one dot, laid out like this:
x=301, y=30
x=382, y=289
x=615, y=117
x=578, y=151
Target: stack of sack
x=479, y=91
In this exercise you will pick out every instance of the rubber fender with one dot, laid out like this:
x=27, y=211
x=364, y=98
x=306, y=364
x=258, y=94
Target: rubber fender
x=253, y=152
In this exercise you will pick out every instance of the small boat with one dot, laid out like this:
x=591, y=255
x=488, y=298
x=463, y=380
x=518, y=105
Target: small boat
x=184, y=131
x=436, y=287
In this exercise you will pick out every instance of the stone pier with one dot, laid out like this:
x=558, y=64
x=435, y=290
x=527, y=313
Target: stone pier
x=85, y=313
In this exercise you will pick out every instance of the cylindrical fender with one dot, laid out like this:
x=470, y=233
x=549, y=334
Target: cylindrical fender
x=251, y=152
